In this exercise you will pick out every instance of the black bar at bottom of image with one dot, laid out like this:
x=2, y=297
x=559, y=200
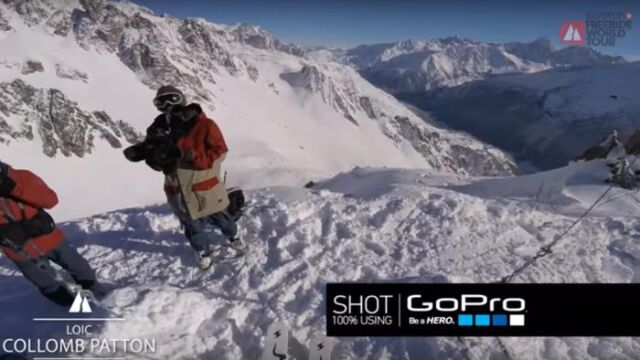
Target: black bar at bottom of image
x=391, y=309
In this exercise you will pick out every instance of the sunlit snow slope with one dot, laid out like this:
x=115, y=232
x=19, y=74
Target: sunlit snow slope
x=287, y=118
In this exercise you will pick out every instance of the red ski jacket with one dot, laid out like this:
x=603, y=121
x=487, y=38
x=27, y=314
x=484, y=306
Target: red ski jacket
x=204, y=144
x=29, y=195
x=201, y=145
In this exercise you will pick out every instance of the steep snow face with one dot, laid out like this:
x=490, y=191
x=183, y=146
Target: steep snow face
x=287, y=117
x=547, y=118
x=364, y=225
x=413, y=65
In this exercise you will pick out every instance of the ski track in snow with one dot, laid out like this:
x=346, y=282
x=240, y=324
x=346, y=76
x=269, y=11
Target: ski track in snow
x=366, y=226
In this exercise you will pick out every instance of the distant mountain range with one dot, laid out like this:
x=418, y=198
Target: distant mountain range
x=419, y=65
x=542, y=104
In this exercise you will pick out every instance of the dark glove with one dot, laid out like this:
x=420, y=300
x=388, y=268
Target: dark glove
x=19, y=232
x=6, y=182
x=139, y=152
x=134, y=153
x=40, y=224
x=166, y=156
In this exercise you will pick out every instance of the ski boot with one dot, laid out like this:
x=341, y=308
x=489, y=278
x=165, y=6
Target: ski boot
x=204, y=260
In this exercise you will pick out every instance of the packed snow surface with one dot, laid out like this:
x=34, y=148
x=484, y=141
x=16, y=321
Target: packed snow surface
x=366, y=225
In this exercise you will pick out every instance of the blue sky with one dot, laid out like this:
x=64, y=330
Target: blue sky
x=347, y=23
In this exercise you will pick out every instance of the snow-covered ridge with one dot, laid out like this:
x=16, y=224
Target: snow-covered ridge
x=418, y=65
x=287, y=117
x=364, y=225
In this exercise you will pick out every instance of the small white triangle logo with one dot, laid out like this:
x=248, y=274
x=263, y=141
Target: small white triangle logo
x=568, y=36
x=80, y=305
x=576, y=35
x=572, y=34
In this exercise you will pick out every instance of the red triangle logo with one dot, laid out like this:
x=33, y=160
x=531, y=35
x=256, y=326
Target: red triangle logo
x=573, y=32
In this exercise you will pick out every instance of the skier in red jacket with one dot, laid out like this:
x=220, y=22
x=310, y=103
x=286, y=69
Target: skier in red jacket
x=188, y=148
x=30, y=238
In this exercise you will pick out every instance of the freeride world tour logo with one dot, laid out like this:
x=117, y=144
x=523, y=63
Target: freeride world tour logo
x=598, y=29
x=572, y=32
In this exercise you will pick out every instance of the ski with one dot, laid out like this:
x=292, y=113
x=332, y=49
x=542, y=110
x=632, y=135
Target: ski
x=277, y=342
x=320, y=348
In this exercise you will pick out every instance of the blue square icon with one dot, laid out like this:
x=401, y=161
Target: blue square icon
x=483, y=320
x=499, y=320
x=465, y=320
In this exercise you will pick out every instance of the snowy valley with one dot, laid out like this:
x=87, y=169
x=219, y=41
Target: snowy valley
x=542, y=104
x=544, y=119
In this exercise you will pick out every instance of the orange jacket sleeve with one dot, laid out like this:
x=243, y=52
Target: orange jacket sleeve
x=32, y=190
x=214, y=147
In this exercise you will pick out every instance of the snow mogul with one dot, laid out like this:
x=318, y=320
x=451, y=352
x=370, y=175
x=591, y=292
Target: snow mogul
x=189, y=149
x=30, y=238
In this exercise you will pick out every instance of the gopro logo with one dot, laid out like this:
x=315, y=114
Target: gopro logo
x=465, y=303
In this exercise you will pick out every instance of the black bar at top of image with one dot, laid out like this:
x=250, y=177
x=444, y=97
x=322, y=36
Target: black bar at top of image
x=551, y=310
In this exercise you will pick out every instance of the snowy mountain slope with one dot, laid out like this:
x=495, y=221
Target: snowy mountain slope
x=286, y=117
x=547, y=118
x=419, y=65
x=363, y=225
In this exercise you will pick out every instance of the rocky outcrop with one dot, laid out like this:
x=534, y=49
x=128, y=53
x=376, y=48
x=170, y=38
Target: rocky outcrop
x=32, y=13
x=349, y=101
x=622, y=171
x=430, y=143
x=60, y=23
x=340, y=96
x=610, y=143
x=66, y=72
x=632, y=145
x=31, y=66
x=156, y=58
x=601, y=150
x=4, y=23
x=255, y=36
x=63, y=126
x=367, y=106
x=202, y=40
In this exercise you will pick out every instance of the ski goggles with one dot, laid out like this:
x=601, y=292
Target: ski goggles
x=169, y=99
